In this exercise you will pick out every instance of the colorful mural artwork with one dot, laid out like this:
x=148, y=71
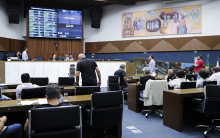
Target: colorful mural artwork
x=180, y=20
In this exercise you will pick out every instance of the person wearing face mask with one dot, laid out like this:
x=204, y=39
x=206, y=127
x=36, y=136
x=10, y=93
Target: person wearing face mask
x=199, y=65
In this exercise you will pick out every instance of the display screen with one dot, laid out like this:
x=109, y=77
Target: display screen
x=55, y=23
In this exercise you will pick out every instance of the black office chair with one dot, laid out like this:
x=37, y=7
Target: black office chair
x=209, y=82
x=209, y=106
x=40, y=58
x=66, y=81
x=114, y=83
x=41, y=81
x=106, y=110
x=187, y=85
x=29, y=58
x=86, y=90
x=189, y=77
x=55, y=122
x=37, y=92
x=61, y=58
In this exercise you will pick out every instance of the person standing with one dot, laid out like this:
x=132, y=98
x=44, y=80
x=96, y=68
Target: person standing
x=199, y=65
x=122, y=74
x=152, y=65
x=87, y=68
x=24, y=54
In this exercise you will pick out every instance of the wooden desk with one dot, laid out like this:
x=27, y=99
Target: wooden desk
x=10, y=106
x=173, y=106
x=133, y=97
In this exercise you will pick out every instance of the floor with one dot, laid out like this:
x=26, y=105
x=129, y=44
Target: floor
x=153, y=127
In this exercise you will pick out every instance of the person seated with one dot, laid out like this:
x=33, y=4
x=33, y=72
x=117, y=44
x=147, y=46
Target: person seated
x=109, y=59
x=176, y=82
x=143, y=80
x=204, y=74
x=53, y=57
x=122, y=74
x=52, y=95
x=5, y=98
x=13, y=131
x=171, y=75
x=18, y=54
x=216, y=75
x=26, y=83
x=103, y=59
x=70, y=58
x=6, y=57
x=191, y=70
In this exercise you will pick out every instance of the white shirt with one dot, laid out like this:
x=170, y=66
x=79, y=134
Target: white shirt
x=215, y=77
x=199, y=83
x=24, y=56
x=176, y=83
x=152, y=66
x=24, y=85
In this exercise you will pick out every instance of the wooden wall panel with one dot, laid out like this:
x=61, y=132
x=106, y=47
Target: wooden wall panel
x=149, y=43
x=178, y=42
x=109, y=48
x=100, y=45
x=134, y=47
x=91, y=47
x=194, y=44
x=11, y=45
x=163, y=46
x=210, y=41
x=121, y=45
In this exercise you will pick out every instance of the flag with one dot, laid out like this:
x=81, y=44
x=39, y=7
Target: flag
x=207, y=64
x=217, y=65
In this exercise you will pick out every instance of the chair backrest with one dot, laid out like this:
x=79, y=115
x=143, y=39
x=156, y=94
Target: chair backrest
x=66, y=81
x=187, y=85
x=41, y=81
x=114, y=83
x=154, y=92
x=40, y=58
x=29, y=58
x=209, y=82
x=212, y=100
x=36, y=92
x=86, y=90
x=61, y=58
x=189, y=77
x=106, y=109
x=63, y=121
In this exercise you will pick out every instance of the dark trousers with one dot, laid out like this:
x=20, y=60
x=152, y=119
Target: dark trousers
x=89, y=84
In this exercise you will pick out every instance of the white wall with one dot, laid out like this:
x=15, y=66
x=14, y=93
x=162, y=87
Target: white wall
x=111, y=30
x=14, y=31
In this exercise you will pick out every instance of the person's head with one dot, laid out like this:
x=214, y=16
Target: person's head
x=25, y=78
x=151, y=57
x=81, y=56
x=18, y=52
x=53, y=55
x=204, y=73
x=25, y=49
x=6, y=54
x=71, y=55
x=122, y=66
x=53, y=92
x=170, y=71
x=190, y=69
x=215, y=69
x=146, y=70
x=145, y=62
x=199, y=57
x=93, y=57
x=103, y=59
x=109, y=59
x=180, y=74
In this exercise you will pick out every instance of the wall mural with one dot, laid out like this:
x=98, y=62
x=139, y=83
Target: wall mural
x=180, y=20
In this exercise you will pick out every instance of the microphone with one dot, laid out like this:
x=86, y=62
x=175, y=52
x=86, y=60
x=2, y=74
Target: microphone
x=72, y=70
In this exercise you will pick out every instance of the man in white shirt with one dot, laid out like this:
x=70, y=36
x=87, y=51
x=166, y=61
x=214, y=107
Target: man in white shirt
x=204, y=74
x=177, y=82
x=26, y=83
x=152, y=66
x=24, y=54
x=215, y=76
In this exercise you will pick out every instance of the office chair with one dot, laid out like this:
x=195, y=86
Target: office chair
x=189, y=77
x=30, y=93
x=187, y=85
x=209, y=106
x=209, y=82
x=3, y=130
x=61, y=58
x=86, y=90
x=41, y=81
x=40, y=58
x=153, y=96
x=106, y=110
x=29, y=58
x=66, y=81
x=55, y=122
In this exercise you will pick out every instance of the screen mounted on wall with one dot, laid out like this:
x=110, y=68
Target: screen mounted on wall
x=55, y=23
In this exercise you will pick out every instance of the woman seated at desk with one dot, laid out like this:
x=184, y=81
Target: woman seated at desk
x=204, y=74
x=53, y=57
x=176, y=82
x=145, y=78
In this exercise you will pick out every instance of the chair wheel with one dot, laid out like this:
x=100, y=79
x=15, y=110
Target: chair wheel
x=161, y=117
x=205, y=135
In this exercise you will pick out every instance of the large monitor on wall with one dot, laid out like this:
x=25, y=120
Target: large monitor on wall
x=55, y=23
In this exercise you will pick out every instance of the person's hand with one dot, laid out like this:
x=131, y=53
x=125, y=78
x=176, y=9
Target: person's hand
x=99, y=83
x=9, y=98
x=3, y=119
x=77, y=84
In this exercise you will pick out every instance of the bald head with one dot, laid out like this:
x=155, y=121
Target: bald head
x=170, y=71
x=81, y=56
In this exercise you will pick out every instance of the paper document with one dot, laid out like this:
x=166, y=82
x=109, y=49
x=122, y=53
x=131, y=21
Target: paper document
x=42, y=101
x=28, y=102
x=131, y=127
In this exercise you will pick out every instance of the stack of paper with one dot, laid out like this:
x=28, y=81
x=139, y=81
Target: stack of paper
x=28, y=102
x=42, y=101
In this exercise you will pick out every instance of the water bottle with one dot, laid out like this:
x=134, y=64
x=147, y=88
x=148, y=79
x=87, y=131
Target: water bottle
x=61, y=98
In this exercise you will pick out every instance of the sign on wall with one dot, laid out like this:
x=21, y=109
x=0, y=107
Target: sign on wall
x=180, y=20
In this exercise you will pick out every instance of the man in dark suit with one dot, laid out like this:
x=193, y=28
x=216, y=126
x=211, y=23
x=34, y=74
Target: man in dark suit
x=18, y=54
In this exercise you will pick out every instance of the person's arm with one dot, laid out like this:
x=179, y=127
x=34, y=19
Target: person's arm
x=99, y=75
x=26, y=126
x=77, y=78
x=172, y=83
x=4, y=98
x=2, y=122
x=124, y=77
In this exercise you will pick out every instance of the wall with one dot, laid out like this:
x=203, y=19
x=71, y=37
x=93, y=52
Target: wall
x=14, y=31
x=110, y=29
